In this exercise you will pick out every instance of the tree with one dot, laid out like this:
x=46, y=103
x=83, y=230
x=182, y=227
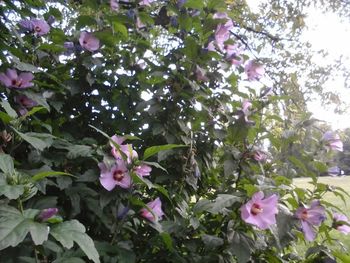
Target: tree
x=82, y=80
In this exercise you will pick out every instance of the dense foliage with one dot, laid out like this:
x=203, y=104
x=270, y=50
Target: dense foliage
x=147, y=131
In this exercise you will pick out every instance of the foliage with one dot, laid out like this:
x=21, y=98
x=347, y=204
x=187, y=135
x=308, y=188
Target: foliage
x=82, y=80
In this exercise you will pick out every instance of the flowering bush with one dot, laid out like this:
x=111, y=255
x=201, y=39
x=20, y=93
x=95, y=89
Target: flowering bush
x=128, y=136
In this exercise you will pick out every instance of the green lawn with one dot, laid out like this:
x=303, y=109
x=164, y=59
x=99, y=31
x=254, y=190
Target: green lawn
x=343, y=182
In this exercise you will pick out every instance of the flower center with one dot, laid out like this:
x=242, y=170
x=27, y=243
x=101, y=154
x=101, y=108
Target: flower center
x=118, y=175
x=304, y=215
x=16, y=82
x=256, y=209
x=37, y=29
x=84, y=42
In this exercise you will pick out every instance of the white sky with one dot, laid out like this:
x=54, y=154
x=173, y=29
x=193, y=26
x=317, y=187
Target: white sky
x=328, y=32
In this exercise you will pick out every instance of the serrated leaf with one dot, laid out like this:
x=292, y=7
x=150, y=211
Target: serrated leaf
x=39, y=141
x=39, y=232
x=11, y=191
x=14, y=226
x=6, y=164
x=72, y=231
x=155, y=149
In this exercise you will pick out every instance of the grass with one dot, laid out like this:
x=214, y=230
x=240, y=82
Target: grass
x=343, y=182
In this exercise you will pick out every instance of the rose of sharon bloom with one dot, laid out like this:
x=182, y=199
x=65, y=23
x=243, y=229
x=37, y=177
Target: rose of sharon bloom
x=114, y=5
x=89, y=42
x=337, y=223
x=156, y=208
x=333, y=141
x=334, y=171
x=39, y=26
x=47, y=214
x=12, y=80
x=233, y=54
x=259, y=211
x=25, y=103
x=125, y=148
x=142, y=170
x=145, y=2
x=260, y=156
x=118, y=174
x=310, y=217
x=254, y=70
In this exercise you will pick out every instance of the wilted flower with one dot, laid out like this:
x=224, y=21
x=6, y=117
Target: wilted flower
x=47, y=214
x=338, y=224
x=12, y=80
x=260, y=212
x=118, y=174
x=39, y=26
x=114, y=5
x=334, y=171
x=142, y=170
x=333, y=141
x=156, y=208
x=254, y=70
x=245, y=112
x=25, y=103
x=200, y=74
x=89, y=42
x=311, y=217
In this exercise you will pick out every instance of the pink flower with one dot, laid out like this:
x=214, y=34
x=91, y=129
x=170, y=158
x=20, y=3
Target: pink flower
x=260, y=212
x=89, y=42
x=260, y=156
x=125, y=148
x=222, y=32
x=12, y=80
x=211, y=46
x=245, y=112
x=39, y=26
x=47, y=214
x=25, y=103
x=142, y=170
x=311, y=217
x=233, y=54
x=333, y=141
x=145, y=2
x=338, y=224
x=114, y=5
x=200, y=74
x=254, y=70
x=118, y=174
x=156, y=208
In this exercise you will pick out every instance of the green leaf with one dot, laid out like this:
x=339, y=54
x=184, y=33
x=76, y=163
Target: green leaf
x=14, y=226
x=212, y=241
x=6, y=164
x=120, y=28
x=167, y=240
x=39, y=232
x=155, y=149
x=216, y=206
x=196, y=4
x=24, y=66
x=43, y=175
x=73, y=231
x=241, y=246
x=11, y=191
x=7, y=107
x=76, y=151
x=39, y=141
